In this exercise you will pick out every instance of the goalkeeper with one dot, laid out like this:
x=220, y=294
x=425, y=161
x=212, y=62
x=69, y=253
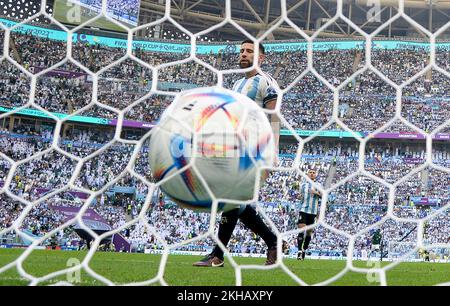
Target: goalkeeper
x=260, y=88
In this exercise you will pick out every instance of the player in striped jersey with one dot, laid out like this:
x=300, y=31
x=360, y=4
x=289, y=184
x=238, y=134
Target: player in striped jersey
x=261, y=89
x=308, y=206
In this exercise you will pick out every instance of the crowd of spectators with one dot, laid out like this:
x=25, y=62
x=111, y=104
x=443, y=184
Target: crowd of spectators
x=149, y=110
x=180, y=225
x=62, y=94
x=128, y=9
x=425, y=101
x=364, y=105
x=123, y=84
x=35, y=52
x=442, y=58
x=14, y=86
x=351, y=207
x=400, y=64
x=95, y=57
x=120, y=8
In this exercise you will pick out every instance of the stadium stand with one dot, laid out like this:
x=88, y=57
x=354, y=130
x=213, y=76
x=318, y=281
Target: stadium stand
x=365, y=104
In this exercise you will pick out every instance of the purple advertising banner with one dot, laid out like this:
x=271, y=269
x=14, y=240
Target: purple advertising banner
x=400, y=135
x=424, y=201
x=412, y=135
x=95, y=222
x=59, y=72
x=90, y=217
x=412, y=160
x=442, y=136
x=133, y=124
x=77, y=194
x=121, y=244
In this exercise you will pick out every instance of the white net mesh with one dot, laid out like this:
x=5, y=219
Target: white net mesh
x=64, y=176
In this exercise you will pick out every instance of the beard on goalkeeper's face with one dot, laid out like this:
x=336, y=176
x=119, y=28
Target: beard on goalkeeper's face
x=245, y=63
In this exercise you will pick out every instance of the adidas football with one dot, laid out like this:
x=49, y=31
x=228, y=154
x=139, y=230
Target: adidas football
x=211, y=143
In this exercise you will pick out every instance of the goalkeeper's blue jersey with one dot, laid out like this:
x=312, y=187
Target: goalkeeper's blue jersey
x=309, y=202
x=260, y=88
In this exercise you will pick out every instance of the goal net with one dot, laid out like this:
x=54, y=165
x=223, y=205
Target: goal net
x=366, y=110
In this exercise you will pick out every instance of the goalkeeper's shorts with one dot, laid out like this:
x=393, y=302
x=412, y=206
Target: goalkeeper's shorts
x=305, y=218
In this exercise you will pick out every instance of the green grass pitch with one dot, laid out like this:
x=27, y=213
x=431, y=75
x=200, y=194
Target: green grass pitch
x=124, y=268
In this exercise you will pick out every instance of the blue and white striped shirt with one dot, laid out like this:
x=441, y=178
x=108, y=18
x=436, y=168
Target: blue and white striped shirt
x=309, y=202
x=260, y=88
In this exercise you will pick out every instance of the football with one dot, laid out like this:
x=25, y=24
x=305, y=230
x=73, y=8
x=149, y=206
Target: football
x=210, y=144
